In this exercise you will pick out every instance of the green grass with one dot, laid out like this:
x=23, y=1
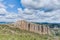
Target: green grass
x=8, y=33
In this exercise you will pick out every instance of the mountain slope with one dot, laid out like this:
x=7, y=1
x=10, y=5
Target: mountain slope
x=8, y=33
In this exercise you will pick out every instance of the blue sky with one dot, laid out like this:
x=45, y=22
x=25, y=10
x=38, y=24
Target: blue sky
x=30, y=10
x=9, y=10
x=12, y=5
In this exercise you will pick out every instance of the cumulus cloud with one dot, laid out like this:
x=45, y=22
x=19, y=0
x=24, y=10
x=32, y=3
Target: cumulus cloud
x=42, y=4
x=40, y=16
x=41, y=10
x=6, y=16
x=35, y=11
x=3, y=11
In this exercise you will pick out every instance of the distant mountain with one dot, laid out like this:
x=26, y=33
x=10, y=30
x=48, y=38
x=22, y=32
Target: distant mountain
x=6, y=22
x=45, y=23
x=51, y=25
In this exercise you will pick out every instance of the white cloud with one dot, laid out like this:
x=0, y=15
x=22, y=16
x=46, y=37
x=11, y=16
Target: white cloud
x=40, y=16
x=6, y=16
x=36, y=10
x=3, y=11
x=41, y=4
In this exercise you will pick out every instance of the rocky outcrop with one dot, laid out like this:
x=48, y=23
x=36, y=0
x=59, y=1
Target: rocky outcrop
x=33, y=27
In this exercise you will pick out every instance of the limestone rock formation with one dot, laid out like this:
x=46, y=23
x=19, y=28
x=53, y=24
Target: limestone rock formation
x=33, y=27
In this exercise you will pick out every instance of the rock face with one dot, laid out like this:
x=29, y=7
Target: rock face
x=33, y=27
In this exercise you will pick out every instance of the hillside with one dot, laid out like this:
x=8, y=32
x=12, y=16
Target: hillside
x=8, y=33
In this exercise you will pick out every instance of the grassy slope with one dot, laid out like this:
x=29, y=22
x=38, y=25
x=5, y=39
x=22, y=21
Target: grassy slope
x=8, y=33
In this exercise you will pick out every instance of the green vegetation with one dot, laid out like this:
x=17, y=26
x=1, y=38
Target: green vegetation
x=9, y=33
